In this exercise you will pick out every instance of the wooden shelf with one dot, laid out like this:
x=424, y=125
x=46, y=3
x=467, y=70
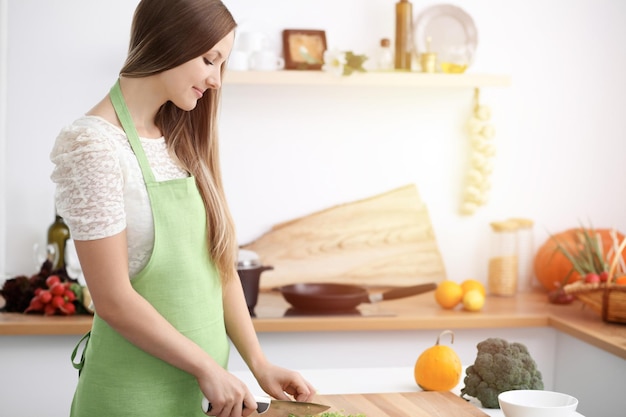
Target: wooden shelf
x=401, y=79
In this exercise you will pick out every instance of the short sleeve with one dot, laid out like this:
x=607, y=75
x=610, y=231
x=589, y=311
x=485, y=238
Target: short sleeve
x=89, y=182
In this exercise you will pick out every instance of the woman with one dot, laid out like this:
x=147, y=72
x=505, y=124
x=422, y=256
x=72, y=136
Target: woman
x=138, y=182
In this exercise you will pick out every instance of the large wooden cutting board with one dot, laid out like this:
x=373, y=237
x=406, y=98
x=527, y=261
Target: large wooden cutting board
x=409, y=404
x=384, y=240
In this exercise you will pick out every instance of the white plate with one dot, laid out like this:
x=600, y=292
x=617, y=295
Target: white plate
x=451, y=30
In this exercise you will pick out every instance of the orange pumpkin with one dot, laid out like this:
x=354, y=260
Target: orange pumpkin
x=552, y=267
x=438, y=368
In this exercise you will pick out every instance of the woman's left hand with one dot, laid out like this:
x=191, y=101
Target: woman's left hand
x=278, y=382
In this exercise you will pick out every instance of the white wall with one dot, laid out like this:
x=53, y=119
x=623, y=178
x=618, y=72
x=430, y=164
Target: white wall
x=3, y=125
x=289, y=151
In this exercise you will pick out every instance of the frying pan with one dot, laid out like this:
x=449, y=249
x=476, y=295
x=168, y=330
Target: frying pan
x=342, y=297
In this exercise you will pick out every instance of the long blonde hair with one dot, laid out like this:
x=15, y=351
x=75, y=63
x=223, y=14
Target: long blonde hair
x=165, y=34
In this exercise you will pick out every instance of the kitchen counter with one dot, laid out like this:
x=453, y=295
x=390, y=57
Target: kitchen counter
x=413, y=313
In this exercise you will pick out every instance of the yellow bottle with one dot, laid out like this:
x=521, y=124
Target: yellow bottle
x=404, y=23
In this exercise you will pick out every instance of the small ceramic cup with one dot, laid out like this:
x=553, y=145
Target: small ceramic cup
x=266, y=61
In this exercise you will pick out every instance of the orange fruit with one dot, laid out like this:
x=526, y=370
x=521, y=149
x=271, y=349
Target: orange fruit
x=473, y=300
x=438, y=368
x=448, y=294
x=472, y=284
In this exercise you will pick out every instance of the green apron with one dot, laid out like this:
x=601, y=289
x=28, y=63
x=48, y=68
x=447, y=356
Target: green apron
x=181, y=282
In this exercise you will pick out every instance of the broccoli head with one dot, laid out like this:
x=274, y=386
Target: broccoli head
x=500, y=366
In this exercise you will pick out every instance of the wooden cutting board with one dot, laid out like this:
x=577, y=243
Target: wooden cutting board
x=384, y=240
x=408, y=404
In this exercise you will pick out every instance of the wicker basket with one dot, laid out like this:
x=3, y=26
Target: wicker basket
x=607, y=299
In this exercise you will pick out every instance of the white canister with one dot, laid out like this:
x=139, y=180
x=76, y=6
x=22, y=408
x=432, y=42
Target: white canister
x=239, y=61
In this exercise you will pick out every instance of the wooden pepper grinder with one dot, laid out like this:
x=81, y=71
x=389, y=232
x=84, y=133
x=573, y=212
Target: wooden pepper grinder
x=404, y=18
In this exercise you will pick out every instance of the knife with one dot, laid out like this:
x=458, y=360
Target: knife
x=278, y=408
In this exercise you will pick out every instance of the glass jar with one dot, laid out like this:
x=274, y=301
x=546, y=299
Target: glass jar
x=526, y=251
x=504, y=259
x=385, y=60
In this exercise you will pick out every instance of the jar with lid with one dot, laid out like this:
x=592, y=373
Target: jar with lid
x=504, y=259
x=526, y=251
x=385, y=60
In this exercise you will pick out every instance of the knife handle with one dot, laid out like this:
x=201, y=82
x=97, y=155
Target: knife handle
x=262, y=404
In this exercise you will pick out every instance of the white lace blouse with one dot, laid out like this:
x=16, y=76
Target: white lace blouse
x=100, y=188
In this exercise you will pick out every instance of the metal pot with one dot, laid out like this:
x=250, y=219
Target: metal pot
x=249, y=268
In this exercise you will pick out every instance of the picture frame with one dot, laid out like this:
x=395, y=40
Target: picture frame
x=303, y=49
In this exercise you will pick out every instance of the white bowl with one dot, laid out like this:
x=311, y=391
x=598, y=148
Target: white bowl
x=536, y=403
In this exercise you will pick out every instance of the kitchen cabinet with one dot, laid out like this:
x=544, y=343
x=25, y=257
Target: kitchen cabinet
x=375, y=352
x=368, y=79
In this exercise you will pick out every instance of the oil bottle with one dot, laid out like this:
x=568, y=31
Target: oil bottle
x=58, y=234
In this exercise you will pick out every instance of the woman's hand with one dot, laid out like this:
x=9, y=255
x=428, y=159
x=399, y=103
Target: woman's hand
x=275, y=381
x=278, y=382
x=228, y=396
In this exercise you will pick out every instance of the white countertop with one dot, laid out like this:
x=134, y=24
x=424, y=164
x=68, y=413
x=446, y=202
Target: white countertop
x=361, y=381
